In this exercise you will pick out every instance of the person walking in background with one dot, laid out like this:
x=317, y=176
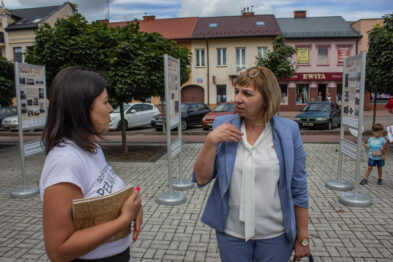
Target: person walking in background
x=389, y=105
x=259, y=203
x=75, y=168
x=377, y=148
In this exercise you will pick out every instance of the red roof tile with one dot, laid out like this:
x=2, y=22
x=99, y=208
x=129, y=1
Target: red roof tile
x=171, y=28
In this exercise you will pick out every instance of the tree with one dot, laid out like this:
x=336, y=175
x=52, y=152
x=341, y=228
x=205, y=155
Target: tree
x=7, y=82
x=72, y=41
x=130, y=60
x=379, y=70
x=137, y=67
x=278, y=60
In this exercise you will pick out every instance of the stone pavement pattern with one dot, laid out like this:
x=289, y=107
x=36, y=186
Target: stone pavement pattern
x=338, y=232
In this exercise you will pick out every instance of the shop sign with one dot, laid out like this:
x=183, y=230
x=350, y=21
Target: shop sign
x=315, y=77
x=302, y=55
x=342, y=53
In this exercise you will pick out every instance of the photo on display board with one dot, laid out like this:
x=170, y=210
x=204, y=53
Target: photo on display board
x=22, y=93
x=30, y=81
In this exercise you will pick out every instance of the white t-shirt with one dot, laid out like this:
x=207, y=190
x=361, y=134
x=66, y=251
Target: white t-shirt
x=92, y=174
x=269, y=221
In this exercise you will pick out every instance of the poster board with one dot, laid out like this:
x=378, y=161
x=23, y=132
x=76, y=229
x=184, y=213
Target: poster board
x=31, y=95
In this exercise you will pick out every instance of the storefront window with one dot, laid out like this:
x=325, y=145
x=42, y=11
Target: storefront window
x=301, y=94
x=284, y=94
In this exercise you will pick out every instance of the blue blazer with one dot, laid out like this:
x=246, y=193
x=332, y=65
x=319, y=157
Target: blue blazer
x=292, y=183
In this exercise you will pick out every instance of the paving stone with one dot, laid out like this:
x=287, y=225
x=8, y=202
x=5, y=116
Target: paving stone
x=175, y=233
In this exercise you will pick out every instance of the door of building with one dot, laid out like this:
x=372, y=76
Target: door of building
x=321, y=92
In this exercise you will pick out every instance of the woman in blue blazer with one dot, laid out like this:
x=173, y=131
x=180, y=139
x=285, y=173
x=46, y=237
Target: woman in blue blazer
x=259, y=203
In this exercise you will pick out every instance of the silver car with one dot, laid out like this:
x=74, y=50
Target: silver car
x=135, y=115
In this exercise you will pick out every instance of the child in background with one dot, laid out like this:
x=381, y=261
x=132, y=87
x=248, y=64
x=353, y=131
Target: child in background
x=377, y=146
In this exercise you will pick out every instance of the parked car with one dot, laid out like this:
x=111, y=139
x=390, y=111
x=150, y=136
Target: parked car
x=135, y=115
x=191, y=114
x=7, y=111
x=10, y=122
x=226, y=108
x=319, y=114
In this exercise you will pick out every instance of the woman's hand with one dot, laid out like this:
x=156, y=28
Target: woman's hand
x=301, y=251
x=225, y=132
x=138, y=224
x=131, y=207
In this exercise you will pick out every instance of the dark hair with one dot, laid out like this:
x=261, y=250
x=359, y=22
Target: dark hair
x=377, y=127
x=73, y=91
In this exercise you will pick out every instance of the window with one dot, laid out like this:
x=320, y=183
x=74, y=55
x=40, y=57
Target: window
x=323, y=55
x=213, y=25
x=260, y=23
x=284, y=94
x=193, y=108
x=240, y=58
x=302, y=55
x=202, y=107
x=221, y=93
x=147, y=107
x=221, y=56
x=200, y=57
x=301, y=94
x=18, y=57
x=262, y=51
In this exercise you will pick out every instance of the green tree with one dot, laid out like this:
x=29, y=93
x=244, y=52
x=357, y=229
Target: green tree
x=7, y=82
x=137, y=67
x=72, y=41
x=379, y=70
x=130, y=60
x=278, y=60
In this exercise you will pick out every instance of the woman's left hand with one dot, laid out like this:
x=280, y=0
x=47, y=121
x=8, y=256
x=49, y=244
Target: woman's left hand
x=138, y=224
x=301, y=251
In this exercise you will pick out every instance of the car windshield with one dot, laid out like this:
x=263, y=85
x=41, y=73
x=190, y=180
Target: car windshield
x=224, y=108
x=317, y=108
x=117, y=110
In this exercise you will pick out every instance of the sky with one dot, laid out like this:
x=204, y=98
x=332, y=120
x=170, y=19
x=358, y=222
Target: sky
x=125, y=10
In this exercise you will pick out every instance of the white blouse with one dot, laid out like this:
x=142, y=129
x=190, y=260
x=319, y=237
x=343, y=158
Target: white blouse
x=254, y=201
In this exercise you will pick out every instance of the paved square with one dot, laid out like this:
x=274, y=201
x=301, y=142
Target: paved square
x=338, y=232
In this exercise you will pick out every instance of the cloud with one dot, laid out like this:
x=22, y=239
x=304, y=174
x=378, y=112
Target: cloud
x=205, y=8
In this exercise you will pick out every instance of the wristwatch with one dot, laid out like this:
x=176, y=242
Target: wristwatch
x=303, y=242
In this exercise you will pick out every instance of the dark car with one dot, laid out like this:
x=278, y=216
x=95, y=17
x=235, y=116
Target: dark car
x=7, y=111
x=191, y=114
x=319, y=114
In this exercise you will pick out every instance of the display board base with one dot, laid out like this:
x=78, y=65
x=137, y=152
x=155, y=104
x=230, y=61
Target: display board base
x=343, y=185
x=171, y=198
x=25, y=192
x=183, y=184
x=359, y=200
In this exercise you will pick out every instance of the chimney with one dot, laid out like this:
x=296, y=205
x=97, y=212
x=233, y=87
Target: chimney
x=247, y=11
x=299, y=14
x=149, y=17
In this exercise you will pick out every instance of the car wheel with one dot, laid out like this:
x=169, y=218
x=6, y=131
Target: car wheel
x=158, y=128
x=330, y=125
x=183, y=125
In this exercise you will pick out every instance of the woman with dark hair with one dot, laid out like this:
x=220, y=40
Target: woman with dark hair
x=258, y=204
x=75, y=168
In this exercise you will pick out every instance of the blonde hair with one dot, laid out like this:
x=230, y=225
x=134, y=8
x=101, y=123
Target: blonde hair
x=263, y=80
